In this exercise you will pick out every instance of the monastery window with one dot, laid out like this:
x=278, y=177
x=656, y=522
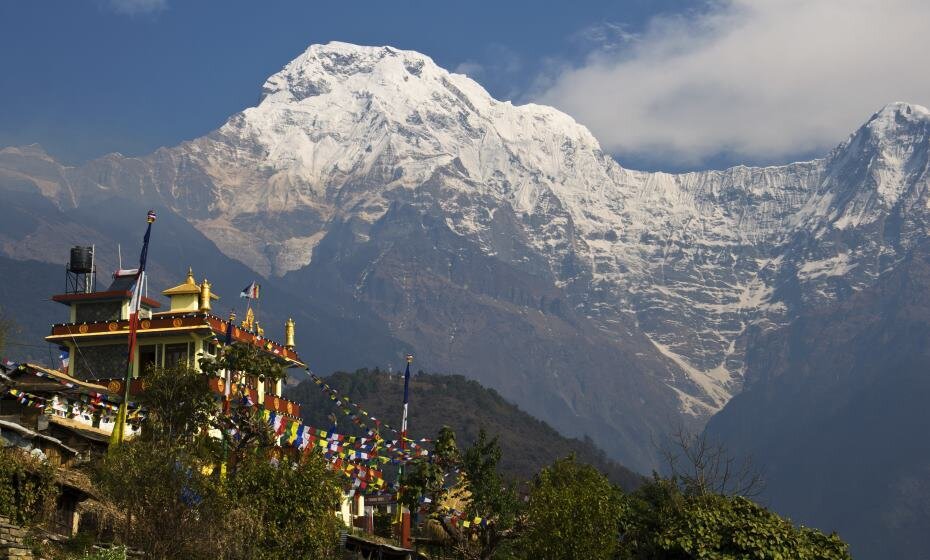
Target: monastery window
x=176, y=354
x=148, y=357
x=270, y=386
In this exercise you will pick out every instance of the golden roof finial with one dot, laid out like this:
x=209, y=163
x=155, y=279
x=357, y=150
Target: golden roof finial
x=249, y=321
x=289, y=333
x=189, y=286
x=206, y=295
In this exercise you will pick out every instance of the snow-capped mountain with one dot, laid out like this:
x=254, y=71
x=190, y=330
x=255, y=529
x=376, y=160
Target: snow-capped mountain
x=350, y=144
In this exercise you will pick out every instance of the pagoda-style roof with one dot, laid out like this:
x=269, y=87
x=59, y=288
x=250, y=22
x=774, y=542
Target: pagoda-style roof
x=189, y=286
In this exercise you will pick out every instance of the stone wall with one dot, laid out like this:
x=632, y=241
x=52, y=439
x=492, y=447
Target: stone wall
x=12, y=541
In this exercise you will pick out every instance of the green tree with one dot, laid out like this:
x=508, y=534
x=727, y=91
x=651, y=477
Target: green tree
x=574, y=512
x=287, y=505
x=430, y=478
x=286, y=508
x=473, y=477
x=247, y=360
x=173, y=508
x=663, y=523
x=178, y=404
x=241, y=429
x=180, y=506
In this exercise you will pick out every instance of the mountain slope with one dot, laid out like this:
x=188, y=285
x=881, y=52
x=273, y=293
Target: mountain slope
x=491, y=320
x=527, y=444
x=835, y=408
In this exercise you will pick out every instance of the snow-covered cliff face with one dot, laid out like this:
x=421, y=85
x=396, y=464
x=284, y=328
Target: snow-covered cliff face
x=343, y=130
x=728, y=253
x=696, y=261
x=867, y=211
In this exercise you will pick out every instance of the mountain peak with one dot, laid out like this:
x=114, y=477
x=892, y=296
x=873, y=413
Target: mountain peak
x=313, y=71
x=895, y=119
x=903, y=108
x=402, y=82
x=340, y=112
x=879, y=165
x=892, y=135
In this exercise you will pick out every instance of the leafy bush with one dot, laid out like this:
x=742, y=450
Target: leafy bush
x=115, y=553
x=290, y=506
x=479, y=486
x=664, y=523
x=27, y=487
x=175, y=509
x=574, y=512
x=180, y=504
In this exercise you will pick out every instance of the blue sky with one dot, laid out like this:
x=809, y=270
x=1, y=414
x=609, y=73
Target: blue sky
x=662, y=83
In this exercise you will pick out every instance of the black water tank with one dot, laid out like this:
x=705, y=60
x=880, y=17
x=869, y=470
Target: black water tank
x=82, y=259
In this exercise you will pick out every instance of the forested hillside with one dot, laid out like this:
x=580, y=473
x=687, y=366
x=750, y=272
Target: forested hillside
x=527, y=444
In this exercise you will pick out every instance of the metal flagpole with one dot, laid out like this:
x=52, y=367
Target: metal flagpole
x=227, y=390
x=403, y=422
x=403, y=437
x=134, y=305
x=227, y=387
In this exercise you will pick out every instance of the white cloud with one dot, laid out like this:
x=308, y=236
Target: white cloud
x=137, y=7
x=762, y=79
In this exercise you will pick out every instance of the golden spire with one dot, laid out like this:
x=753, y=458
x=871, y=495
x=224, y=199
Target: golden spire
x=189, y=286
x=249, y=321
x=259, y=329
x=289, y=333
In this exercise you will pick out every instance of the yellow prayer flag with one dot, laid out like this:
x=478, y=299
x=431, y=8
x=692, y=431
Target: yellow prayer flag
x=116, y=438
